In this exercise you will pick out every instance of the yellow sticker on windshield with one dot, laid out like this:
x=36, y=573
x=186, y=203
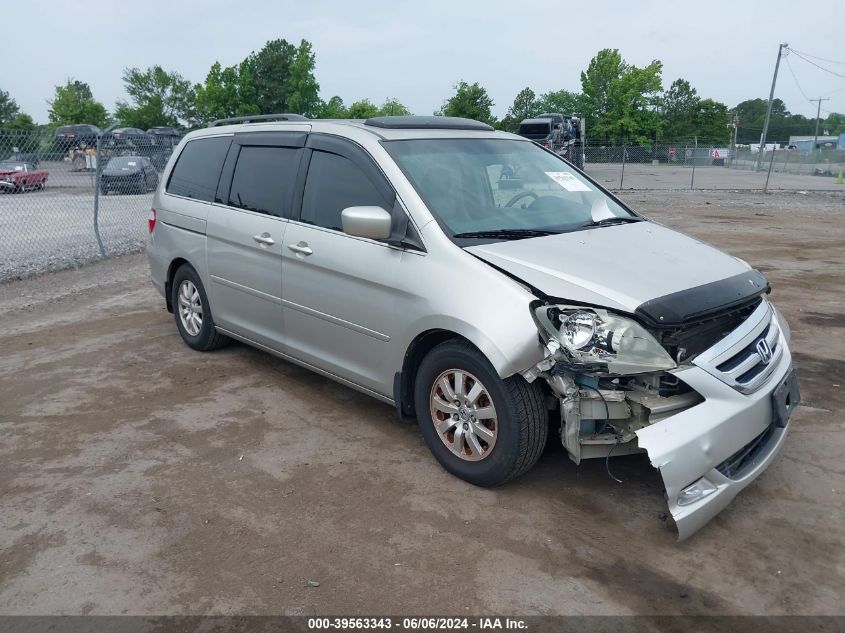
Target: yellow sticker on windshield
x=567, y=181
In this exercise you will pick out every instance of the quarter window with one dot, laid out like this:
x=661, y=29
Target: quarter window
x=333, y=184
x=198, y=168
x=262, y=179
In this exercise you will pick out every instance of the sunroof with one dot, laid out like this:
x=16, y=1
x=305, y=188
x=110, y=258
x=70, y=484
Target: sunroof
x=426, y=123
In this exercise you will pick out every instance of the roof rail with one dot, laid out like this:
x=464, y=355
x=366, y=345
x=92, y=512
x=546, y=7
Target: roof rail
x=411, y=122
x=253, y=118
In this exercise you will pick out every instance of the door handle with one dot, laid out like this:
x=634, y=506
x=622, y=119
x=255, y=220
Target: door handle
x=264, y=239
x=301, y=248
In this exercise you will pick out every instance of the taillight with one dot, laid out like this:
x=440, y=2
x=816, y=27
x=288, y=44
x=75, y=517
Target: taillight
x=151, y=220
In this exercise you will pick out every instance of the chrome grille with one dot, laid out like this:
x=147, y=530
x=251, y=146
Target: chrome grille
x=746, y=357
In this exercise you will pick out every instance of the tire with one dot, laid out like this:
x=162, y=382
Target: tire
x=519, y=420
x=200, y=336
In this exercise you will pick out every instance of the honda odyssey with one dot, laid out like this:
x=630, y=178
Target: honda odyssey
x=482, y=285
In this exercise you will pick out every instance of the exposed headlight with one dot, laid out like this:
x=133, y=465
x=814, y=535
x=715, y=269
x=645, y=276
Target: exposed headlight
x=592, y=339
x=578, y=330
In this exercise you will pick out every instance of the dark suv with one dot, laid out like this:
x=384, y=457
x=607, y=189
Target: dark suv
x=82, y=135
x=563, y=135
x=540, y=131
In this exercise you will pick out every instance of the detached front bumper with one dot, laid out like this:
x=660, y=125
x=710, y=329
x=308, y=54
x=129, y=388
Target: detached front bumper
x=707, y=454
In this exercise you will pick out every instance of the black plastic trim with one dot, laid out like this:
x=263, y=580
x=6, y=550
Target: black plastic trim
x=698, y=302
x=254, y=118
x=224, y=182
x=272, y=139
x=427, y=123
x=359, y=156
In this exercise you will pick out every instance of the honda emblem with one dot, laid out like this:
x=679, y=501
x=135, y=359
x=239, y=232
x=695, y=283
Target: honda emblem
x=765, y=351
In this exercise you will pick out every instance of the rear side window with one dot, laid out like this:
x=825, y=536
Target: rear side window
x=334, y=183
x=262, y=179
x=198, y=168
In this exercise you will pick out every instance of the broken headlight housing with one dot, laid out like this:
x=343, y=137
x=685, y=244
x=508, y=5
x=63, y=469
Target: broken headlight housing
x=595, y=340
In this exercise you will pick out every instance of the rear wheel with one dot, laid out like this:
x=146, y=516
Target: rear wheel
x=192, y=312
x=480, y=428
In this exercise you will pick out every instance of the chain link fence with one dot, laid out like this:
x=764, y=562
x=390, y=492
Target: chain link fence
x=690, y=165
x=81, y=193
x=77, y=195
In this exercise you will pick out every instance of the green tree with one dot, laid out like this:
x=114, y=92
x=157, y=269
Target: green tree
x=219, y=97
x=834, y=123
x=524, y=106
x=74, y=103
x=562, y=101
x=680, y=110
x=304, y=89
x=158, y=97
x=280, y=78
x=711, y=122
x=621, y=100
x=22, y=124
x=393, y=107
x=470, y=101
x=269, y=72
x=19, y=134
x=782, y=125
x=363, y=109
x=333, y=109
x=8, y=108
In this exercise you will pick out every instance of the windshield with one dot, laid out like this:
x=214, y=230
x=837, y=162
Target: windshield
x=535, y=129
x=11, y=167
x=476, y=185
x=124, y=162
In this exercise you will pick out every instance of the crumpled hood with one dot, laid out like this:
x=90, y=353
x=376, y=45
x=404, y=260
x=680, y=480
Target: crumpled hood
x=618, y=266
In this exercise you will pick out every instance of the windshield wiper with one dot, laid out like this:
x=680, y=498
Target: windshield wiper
x=507, y=234
x=610, y=221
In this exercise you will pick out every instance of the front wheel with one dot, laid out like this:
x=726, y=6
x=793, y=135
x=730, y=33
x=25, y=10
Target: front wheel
x=192, y=313
x=480, y=428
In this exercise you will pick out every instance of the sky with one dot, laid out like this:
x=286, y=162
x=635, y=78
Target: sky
x=417, y=51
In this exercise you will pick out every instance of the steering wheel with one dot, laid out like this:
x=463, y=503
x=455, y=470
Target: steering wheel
x=520, y=196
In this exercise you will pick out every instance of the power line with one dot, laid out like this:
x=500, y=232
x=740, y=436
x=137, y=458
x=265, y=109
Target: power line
x=830, y=61
x=810, y=61
x=792, y=72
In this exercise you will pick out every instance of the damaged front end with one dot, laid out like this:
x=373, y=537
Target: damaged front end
x=621, y=392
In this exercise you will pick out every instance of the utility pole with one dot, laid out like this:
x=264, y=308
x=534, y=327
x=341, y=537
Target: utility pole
x=818, y=114
x=732, y=136
x=769, y=110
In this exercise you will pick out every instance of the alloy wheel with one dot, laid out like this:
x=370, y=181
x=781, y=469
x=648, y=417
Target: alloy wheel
x=463, y=414
x=190, y=308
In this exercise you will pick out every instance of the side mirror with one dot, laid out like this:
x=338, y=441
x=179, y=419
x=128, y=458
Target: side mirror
x=371, y=222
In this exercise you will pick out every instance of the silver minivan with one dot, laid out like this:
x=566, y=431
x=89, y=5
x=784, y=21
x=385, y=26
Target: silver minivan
x=482, y=285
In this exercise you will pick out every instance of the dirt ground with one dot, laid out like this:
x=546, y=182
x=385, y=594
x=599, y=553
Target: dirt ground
x=138, y=476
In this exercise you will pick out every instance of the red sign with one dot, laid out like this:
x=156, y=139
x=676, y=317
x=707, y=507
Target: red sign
x=672, y=152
